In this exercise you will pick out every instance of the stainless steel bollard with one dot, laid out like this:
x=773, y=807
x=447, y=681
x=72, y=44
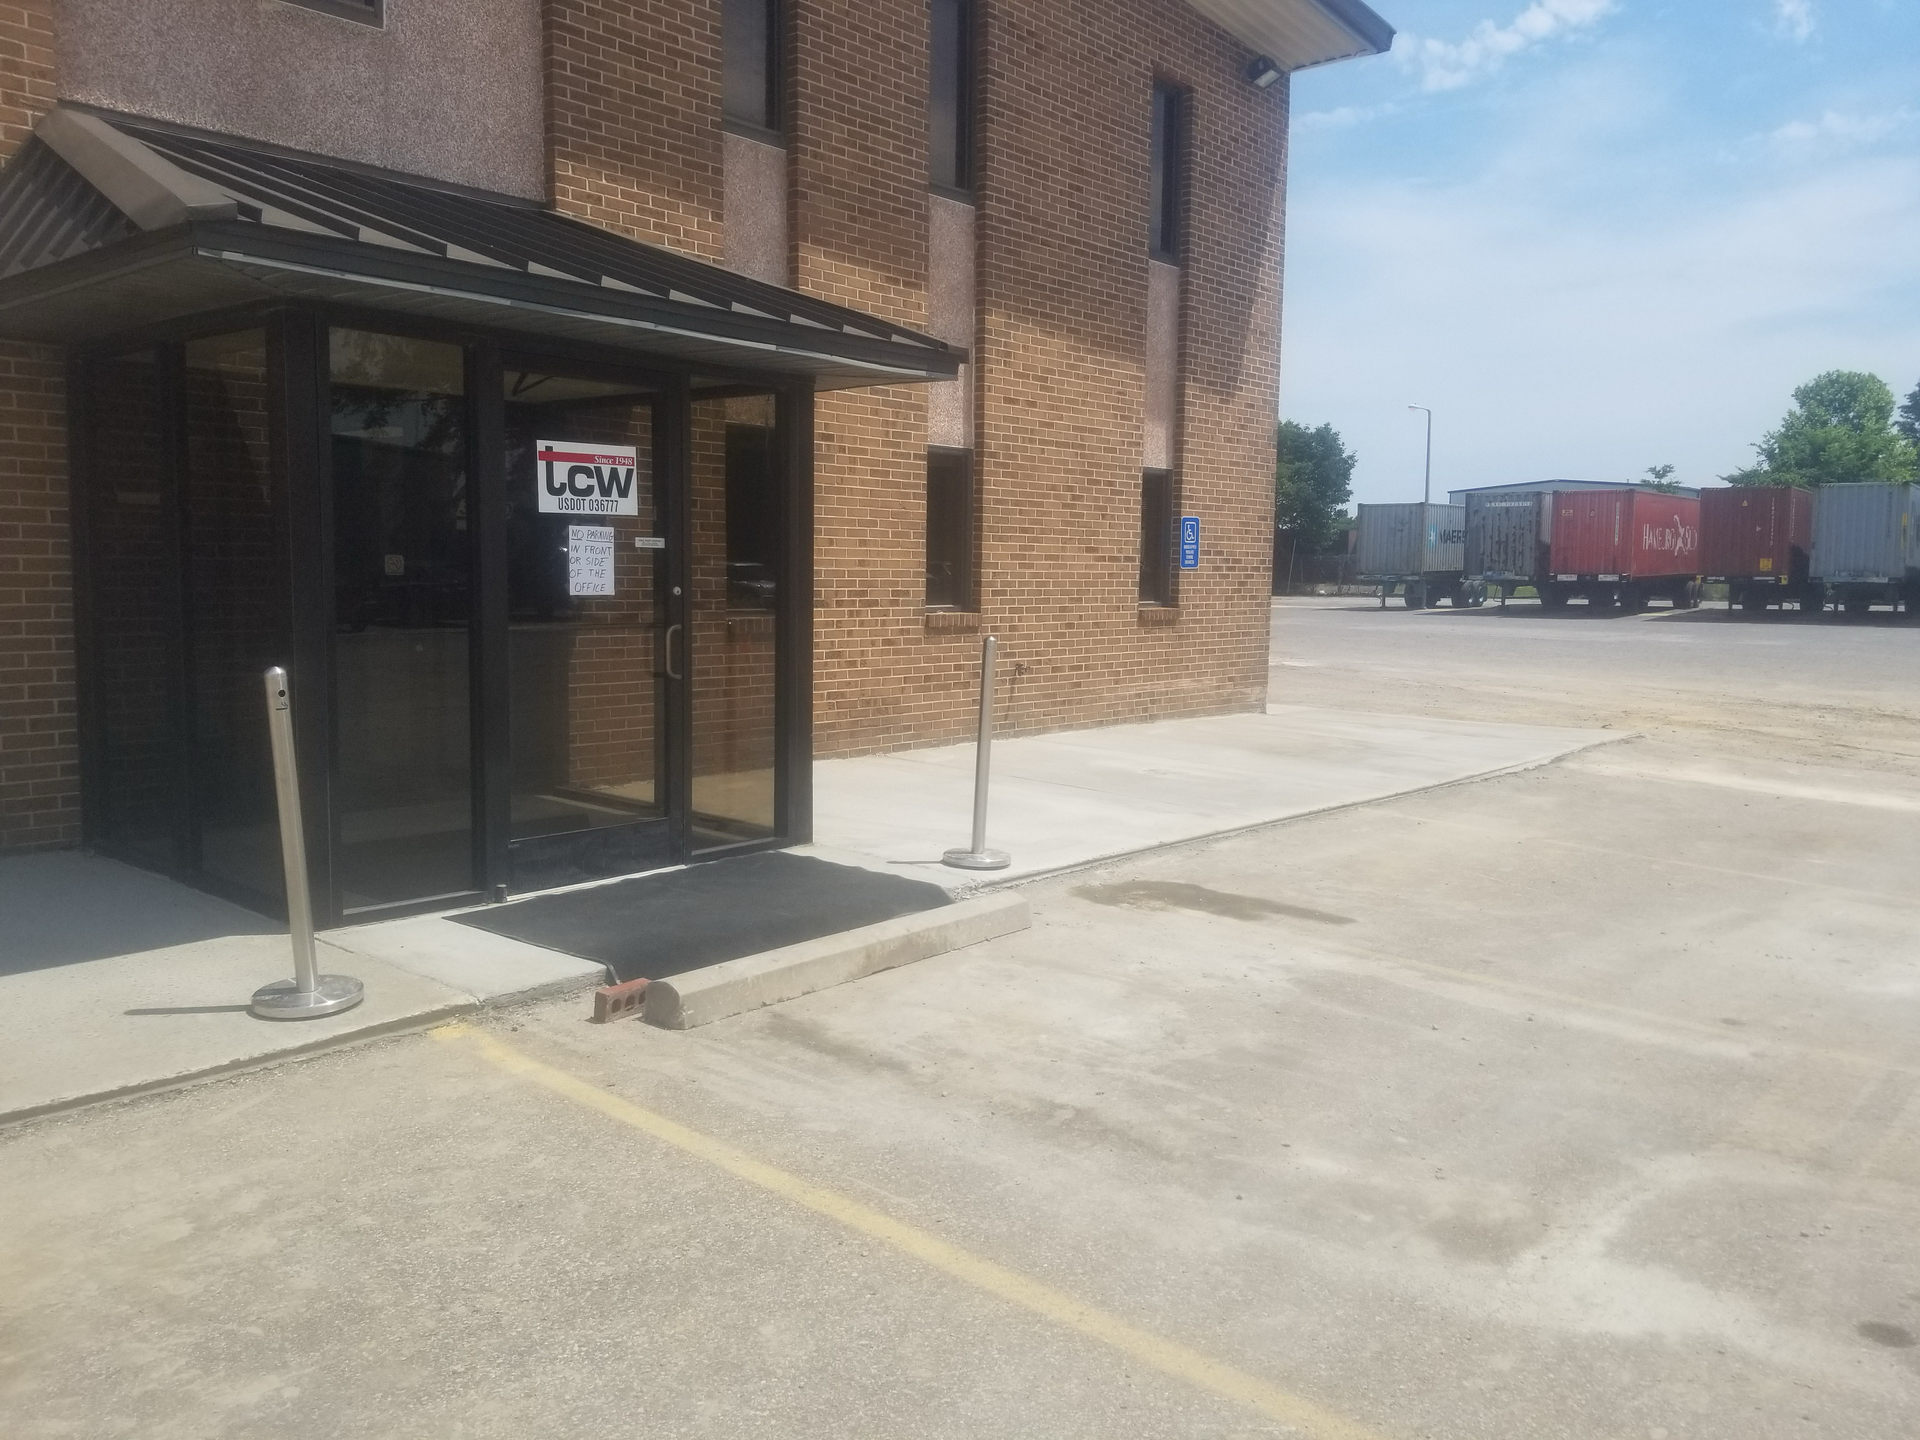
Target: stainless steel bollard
x=309, y=993
x=979, y=857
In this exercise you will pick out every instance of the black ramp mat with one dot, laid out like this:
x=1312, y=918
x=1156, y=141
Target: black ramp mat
x=654, y=926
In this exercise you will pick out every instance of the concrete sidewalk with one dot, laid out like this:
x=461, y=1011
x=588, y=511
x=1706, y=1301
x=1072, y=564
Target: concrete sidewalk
x=114, y=981
x=1069, y=799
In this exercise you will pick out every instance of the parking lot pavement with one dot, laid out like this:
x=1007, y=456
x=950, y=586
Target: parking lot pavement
x=1583, y=1102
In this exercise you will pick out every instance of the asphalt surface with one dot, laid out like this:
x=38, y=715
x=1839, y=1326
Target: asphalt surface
x=1581, y=1102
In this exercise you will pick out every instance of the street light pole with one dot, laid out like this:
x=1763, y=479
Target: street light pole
x=1426, y=490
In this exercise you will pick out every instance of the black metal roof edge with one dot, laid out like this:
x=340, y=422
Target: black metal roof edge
x=348, y=258
x=693, y=274
x=1360, y=21
x=139, y=252
x=123, y=120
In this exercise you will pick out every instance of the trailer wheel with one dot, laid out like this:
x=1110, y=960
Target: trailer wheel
x=1552, y=597
x=1633, y=598
x=1416, y=597
x=1753, y=600
x=1856, y=605
x=1813, y=601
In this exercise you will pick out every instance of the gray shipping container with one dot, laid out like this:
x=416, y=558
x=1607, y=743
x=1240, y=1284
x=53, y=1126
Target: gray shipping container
x=1400, y=542
x=1508, y=536
x=1866, y=534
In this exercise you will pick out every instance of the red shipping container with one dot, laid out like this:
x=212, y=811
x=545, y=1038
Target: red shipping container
x=1756, y=531
x=1625, y=534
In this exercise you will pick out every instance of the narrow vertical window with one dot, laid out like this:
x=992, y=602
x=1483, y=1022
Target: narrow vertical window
x=1169, y=146
x=1156, y=537
x=751, y=60
x=950, y=95
x=949, y=529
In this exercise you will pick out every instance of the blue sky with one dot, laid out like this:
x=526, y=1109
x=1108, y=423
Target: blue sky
x=1598, y=235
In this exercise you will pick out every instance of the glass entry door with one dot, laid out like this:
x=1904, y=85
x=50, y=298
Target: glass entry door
x=587, y=643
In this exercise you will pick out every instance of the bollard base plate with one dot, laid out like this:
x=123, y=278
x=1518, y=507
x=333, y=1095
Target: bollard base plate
x=282, y=1000
x=977, y=859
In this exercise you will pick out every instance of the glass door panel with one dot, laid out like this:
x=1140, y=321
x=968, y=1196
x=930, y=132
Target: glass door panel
x=586, y=559
x=403, y=791
x=733, y=599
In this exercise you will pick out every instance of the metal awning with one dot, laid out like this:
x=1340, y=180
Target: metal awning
x=108, y=223
x=1295, y=34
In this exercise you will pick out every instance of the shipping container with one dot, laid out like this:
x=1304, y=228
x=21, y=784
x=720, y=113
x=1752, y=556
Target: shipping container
x=1508, y=538
x=1419, y=548
x=1866, y=545
x=1624, y=547
x=1759, y=539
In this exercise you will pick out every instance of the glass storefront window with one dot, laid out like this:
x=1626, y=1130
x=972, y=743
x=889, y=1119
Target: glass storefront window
x=134, y=529
x=403, y=794
x=238, y=602
x=734, y=516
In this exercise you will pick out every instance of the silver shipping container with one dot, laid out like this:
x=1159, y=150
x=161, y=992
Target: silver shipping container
x=1866, y=534
x=1508, y=536
x=1397, y=542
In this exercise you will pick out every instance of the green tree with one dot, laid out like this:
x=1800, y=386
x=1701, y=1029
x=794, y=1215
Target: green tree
x=1657, y=479
x=1908, y=423
x=1840, y=431
x=1313, y=480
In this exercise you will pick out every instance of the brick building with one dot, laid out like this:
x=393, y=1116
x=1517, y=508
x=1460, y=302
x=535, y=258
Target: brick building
x=603, y=407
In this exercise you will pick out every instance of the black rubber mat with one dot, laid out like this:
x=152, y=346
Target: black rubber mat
x=654, y=926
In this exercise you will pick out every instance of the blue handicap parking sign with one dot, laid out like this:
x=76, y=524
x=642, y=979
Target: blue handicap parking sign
x=1189, y=542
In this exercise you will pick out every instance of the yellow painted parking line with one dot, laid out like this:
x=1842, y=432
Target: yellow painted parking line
x=1166, y=1356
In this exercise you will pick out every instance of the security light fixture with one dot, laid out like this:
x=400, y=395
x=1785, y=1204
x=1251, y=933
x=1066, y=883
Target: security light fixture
x=1263, y=72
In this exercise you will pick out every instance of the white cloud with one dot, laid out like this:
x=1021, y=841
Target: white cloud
x=1794, y=19
x=1836, y=131
x=1448, y=65
x=1342, y=118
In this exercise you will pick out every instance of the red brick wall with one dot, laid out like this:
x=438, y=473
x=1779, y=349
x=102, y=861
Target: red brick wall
x=633, y=118
x=633, y=132
x=1062, y=217
x=39, y=765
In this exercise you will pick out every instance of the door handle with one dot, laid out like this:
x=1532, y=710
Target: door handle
x=667, y=653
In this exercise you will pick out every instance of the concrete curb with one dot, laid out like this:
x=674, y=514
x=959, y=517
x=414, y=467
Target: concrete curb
x=398, y=1025
x=990, y=886
x=732, y=987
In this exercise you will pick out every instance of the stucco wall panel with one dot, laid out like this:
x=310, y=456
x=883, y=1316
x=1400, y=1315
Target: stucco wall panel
x=447, y=88
x=756, y=208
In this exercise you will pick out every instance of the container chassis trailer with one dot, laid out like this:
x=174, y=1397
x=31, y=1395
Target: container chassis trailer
x=1418, y=550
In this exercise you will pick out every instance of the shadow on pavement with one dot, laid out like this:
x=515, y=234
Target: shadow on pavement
x=66, y=907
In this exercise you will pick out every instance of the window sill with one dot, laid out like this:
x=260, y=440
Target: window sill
x=950, y=192
x=746, y=129
x=953, y=620
x=374, y=14
x=1151, y=614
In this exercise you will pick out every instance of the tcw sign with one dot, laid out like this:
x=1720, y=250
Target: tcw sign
x=578, y=477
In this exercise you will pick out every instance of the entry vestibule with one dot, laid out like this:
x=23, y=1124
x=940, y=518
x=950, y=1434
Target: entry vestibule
x=545, y=617
x=523, y=507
